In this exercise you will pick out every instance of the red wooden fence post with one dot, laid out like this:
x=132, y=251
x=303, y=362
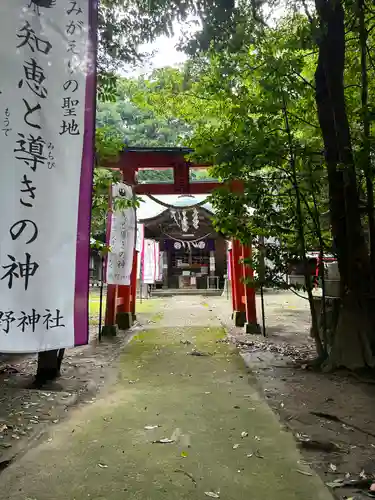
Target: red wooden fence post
x=249, y=289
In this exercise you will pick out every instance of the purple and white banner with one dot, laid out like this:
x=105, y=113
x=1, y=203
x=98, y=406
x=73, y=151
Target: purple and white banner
x=47, y=113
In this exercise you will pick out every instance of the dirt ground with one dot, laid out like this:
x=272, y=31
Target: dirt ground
x=345, y=420
x=345, y=403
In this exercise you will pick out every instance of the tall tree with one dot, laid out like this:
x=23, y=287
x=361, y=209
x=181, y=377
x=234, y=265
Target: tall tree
x=243, y=129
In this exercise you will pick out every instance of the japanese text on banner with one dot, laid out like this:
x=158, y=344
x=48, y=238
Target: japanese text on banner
x=45, y=59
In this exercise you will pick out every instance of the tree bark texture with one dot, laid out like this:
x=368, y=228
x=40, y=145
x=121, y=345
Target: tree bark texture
x=350, y=343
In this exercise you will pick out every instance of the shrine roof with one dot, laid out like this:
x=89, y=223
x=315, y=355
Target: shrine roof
x=149, y=209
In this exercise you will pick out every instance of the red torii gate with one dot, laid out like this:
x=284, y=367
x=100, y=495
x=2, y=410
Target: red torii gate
x=121, y=299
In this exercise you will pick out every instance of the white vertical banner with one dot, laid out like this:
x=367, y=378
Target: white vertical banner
x=139, y=247
x=148, y=263
x=157, y=260
x=47, y=115
x=122, y=238
x=161, y=265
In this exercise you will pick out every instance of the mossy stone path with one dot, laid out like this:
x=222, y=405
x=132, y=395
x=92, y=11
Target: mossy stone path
x=226, y=442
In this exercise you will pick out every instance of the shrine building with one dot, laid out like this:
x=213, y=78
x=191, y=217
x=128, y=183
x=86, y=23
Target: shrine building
x=193, y=256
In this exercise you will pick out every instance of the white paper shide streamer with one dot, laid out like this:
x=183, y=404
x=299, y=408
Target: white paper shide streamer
x=122, y=238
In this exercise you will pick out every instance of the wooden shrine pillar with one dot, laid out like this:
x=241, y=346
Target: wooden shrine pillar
x=230, y=257
x=251, y=325
x=124, y=317
x=110, y=311
x=118, y=308
x=239, y=312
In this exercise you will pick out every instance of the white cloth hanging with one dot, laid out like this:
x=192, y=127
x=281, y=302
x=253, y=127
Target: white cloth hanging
x=122, y=239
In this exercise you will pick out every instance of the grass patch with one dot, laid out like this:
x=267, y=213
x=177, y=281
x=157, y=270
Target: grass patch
x=142, y=307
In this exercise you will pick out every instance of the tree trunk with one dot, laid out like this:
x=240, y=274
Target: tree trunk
x=365, y=159
x=49, y=366
x=348, y=236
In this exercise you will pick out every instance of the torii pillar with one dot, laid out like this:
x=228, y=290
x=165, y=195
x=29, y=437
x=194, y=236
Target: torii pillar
x=239, y=311
x=251, y=325
x=121, y=299
x=243, y=291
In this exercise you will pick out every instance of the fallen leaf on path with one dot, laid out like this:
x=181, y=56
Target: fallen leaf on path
x=3, y=427
x=304, y=472
x=103, y=466
x=249, y=455
x=258, y=455
x=235, y=446
x=314, y=444
x=187, y=474
x=5, y=445
x=347, y=427
x=350, y=483
x=212, y=494
x=244, y=434
x=151, y=427
x=184, y=454
x=164, y=441
x=337, y=483
x=199, y=353
x=332, y=468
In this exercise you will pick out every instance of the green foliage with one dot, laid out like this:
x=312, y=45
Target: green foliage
x=139, y=127
x=124, y=123
x=237, y=104
x=125, y=25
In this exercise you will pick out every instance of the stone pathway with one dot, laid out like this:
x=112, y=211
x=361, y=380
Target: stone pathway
x=184, y=420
